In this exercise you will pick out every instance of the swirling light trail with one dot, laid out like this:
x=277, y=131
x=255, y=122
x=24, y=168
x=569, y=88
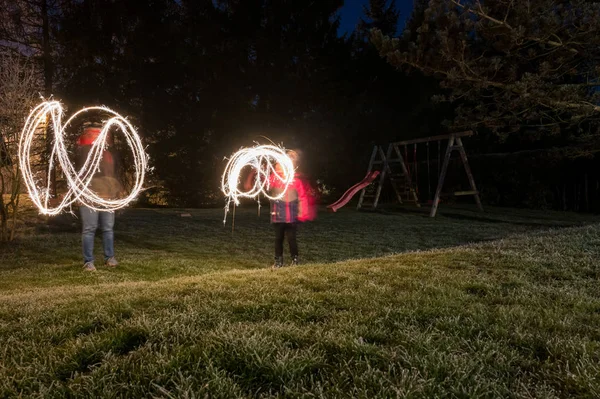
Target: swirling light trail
x=262, y=159
x=78, y=181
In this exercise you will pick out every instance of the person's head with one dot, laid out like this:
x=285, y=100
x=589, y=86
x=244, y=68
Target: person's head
x=293, y=155
x=91, y=131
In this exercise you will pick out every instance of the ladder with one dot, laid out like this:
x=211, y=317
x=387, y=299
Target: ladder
x=392, y=166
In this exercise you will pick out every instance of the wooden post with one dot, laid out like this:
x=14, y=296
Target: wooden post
x=438, y=191
x=369, y=169
x=384, y=170
x=465, y=161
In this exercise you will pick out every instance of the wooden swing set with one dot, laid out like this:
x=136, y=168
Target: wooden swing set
x=403, y=174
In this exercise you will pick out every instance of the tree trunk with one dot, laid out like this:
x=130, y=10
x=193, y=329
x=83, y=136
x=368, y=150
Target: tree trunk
x=48, y=83
x=15, y=204
x=4, y=227
x=3, y=215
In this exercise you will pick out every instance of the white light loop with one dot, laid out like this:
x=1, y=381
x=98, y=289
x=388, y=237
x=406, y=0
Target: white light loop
x=78, y=181
x=262, y=159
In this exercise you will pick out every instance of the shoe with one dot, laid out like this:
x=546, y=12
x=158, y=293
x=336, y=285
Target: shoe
x=278, y=262
x=89, y=267
x=111, y=262
x=295, y=261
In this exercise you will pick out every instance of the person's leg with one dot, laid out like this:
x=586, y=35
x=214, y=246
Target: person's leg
x=89, y=223
x=107, y=222
x=279, y=234
x=291, y=229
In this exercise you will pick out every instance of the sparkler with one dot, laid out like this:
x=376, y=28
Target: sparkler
x=262, y=159
x=78, y=181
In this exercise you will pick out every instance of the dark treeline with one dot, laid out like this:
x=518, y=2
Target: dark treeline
x=201, y=78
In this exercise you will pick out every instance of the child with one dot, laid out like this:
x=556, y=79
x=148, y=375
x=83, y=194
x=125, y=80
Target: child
x=286, y=212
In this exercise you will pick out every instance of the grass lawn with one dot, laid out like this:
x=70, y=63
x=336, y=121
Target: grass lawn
x=500, y=304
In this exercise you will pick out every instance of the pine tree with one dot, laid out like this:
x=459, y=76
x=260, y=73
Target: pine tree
x=380, y=14
x=508, y=63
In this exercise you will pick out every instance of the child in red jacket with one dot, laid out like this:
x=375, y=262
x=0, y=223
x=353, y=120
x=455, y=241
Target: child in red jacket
x=294, y=206
x=286, y=212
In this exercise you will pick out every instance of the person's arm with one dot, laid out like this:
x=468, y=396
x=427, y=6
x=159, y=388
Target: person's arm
x=303, y=205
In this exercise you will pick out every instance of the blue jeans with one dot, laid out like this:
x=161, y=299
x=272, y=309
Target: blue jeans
x=89, y=221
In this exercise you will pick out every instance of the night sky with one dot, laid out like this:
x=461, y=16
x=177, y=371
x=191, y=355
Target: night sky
x=353, y=9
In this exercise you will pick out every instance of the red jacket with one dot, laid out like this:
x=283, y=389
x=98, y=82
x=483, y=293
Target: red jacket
x=293, y=206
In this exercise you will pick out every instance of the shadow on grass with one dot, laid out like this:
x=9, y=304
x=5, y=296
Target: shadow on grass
x=517, y=217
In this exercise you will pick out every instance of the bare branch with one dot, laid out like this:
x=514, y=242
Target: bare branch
x=508, y=9
x=18, y=88
x=482, y=14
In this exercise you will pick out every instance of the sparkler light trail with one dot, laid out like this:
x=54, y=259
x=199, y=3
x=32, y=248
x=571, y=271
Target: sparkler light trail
x=78, y=181
x=262, y=159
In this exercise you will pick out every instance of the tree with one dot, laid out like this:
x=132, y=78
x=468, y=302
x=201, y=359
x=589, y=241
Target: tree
x=19, y=86
x=382, y=15
x=28, y=28
x=391, y=106
x=252, y=68
x=508, y=63
x=134, y=58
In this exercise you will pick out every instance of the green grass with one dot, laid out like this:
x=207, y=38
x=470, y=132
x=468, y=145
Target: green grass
x=500, y=304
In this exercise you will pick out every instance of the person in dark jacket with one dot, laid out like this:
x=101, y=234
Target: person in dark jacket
x=105, y=184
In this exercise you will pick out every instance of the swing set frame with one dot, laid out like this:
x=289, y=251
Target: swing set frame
x=402, y=182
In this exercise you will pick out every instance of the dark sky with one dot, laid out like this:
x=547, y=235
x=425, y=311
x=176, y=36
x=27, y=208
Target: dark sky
x=353, y=10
